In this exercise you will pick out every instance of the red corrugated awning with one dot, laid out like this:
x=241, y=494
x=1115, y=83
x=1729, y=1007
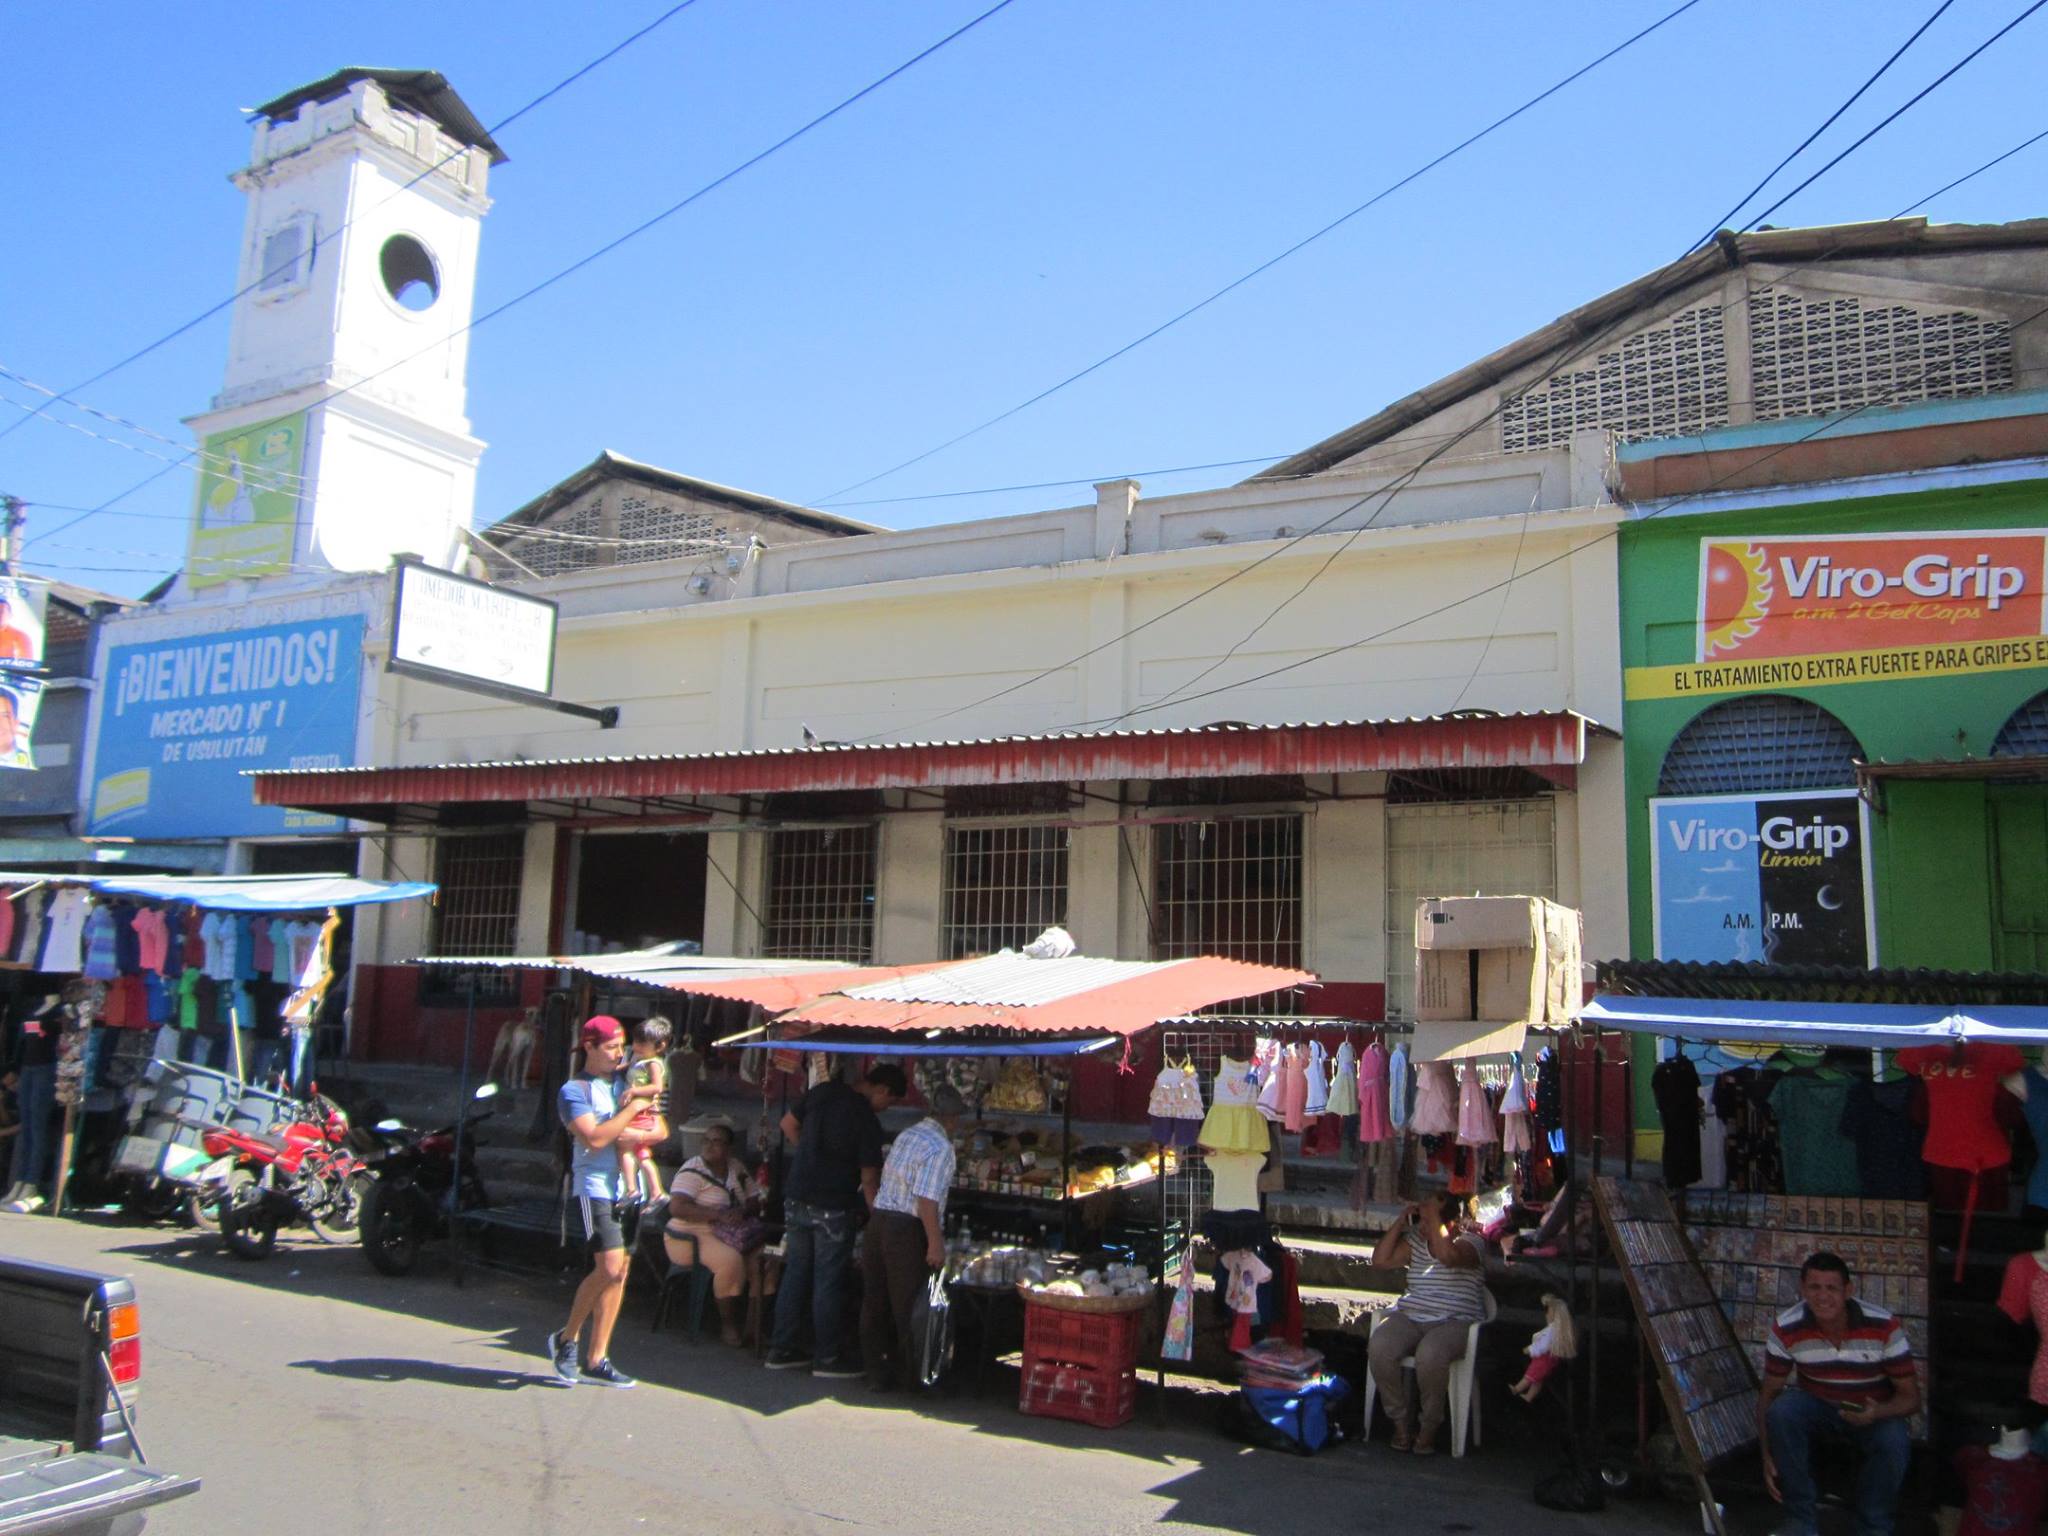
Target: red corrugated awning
x=776, y=994
x=1075, y=995
x=1551, y=743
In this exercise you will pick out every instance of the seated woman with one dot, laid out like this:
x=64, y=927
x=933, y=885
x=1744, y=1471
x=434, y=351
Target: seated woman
x=710, y=1189
x=1445, y=1295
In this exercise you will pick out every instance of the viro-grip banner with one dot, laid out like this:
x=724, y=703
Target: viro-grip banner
x=181, y=721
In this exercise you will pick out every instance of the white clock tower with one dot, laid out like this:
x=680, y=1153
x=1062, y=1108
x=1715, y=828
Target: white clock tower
x=339, y=438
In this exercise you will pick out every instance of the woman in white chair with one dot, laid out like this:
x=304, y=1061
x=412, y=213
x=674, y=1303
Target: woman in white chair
x=708, y=1192
x=1445, y=1296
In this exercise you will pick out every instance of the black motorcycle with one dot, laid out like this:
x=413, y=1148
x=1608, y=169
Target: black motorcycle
x=416, y=1190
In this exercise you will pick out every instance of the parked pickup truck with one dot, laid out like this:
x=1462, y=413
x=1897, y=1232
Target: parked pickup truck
x=70, y=1363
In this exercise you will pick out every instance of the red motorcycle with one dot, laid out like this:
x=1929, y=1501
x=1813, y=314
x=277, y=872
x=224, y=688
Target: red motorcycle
x=297, y=1169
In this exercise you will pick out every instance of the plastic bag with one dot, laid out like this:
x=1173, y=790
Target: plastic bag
x=931, y=1332
x=1179, y=1343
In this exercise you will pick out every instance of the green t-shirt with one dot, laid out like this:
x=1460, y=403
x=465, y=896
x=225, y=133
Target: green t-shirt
x=1819, y=1159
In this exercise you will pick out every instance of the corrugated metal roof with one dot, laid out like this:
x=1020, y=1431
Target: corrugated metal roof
x=1009, y=979
x=1553, y=740
x=1748, y=981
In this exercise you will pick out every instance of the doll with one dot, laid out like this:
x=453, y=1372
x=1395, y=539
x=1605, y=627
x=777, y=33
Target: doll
x=1556, y=1340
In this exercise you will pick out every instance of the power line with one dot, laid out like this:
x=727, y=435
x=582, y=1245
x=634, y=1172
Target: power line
x=1972, y=175
x=645, y=225
x=503, y=123
x=1723, y=222
x=1388, y=492
x=1892, y=117
x=1267, y=265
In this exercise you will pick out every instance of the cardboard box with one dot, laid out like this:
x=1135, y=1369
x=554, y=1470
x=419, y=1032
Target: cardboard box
x=1443, y=984
x=1510, y=986
x=1475, y=922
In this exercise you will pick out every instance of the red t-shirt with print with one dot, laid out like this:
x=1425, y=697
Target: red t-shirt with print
x=1961, y=1091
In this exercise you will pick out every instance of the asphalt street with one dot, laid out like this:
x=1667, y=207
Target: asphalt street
x=310, y=1392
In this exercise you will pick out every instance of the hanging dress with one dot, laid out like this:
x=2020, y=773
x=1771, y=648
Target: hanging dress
x=1436, y=1101
x=1476, y=1126
x=1233, y=1123
x=1176, y=1105
x=1269, y=1063
x=1398, y=1100
x=1318, y=1102
x=1344, y=1086
x=1374, y=1121
x=1294, y=1088
x=1514, y=1113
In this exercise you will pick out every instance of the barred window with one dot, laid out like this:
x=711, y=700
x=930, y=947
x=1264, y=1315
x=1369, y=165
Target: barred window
x=821, y=894
x=1757, y=745
x=1004, y=887
x=1230, y=887
x=476, y=912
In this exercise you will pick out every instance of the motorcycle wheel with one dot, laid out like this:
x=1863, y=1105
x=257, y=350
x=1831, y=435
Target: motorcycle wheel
x=339, y=1220
x=389, y=1227
x=203, y=1210
x=247, y=1226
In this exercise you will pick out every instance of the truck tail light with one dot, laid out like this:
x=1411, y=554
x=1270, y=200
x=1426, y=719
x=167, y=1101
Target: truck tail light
x=124, y=1355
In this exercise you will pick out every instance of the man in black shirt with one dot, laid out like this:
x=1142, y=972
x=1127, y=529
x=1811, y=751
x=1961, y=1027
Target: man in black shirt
x=831, y=1184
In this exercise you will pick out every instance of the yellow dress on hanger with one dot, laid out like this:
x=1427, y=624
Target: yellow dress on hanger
x=1234, y=1123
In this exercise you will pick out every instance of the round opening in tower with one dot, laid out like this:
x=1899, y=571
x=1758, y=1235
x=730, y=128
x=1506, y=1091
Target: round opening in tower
x=409, y=275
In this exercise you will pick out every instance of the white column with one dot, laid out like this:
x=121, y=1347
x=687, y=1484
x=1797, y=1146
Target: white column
x=536, y=892
x=908, y=880
x=1602, y=848
x=1094, y=883
x=1347, y=890
x=728, y=927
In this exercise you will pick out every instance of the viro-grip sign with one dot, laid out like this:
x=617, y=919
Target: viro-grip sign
x=181, y=721
x=1780, y=879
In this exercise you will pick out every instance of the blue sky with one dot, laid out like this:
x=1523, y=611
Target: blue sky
x=1055, y=183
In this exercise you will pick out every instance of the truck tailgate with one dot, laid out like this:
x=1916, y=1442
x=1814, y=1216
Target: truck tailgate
x=43, y=1491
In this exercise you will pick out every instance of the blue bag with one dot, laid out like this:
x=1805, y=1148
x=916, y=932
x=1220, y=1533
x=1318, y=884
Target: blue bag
x=1295, y=1419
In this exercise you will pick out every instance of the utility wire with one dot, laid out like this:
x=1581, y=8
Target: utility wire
x=1972, y=175
x=496, y=128
x=614, y=244
x=1268, y=264
x=1724, y=222
x=1892, y=117
x=1389, y=492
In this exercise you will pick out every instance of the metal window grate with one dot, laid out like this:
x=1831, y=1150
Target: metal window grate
x=821, y=894
x=2025, y=734
x=1811, y=355
x=1661, y=382
x=1230, y=887
x=476, y=911
x=1757, y=745
x=1004, y=887
x=1508, y=848
x=552, y=557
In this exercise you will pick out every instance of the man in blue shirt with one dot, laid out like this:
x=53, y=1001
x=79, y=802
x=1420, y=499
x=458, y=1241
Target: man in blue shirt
x=597, y=1108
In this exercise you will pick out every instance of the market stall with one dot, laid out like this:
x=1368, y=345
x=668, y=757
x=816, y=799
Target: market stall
x=235, y=969
x=1866, y=1113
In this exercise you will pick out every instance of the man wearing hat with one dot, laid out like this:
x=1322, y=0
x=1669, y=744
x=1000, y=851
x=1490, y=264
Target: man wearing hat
x=597, y=1108
x=906, y=1241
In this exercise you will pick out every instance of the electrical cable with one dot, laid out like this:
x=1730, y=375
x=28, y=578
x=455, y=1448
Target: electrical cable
x=240, y=293
x=1972, y=175
x=1269, y=263
x=1743, y=201
x=1893, y=116
x=612, y=245
x=1389, y=492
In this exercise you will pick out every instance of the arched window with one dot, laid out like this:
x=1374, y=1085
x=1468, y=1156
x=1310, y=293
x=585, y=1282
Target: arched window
x=1756, y=745
x=2025, y=734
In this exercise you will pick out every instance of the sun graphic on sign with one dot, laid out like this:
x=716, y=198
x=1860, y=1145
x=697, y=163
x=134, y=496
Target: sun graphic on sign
x=1736, y=596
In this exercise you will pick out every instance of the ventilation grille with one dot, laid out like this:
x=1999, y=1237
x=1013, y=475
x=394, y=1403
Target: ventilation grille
x=1810, y=356
x=1662, y=382
x=551, y=557
x=655, y=530
x=1754, y=746
x=2026, y=733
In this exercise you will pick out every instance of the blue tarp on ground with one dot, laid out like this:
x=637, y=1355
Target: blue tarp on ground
x=1879, y=1026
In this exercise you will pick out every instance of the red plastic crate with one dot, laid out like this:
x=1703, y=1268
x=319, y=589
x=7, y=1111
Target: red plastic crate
x=1099, y=1341
x=1104, y=1399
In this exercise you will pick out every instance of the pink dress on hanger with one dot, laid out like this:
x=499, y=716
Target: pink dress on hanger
x=1476, y=1125
x=1294, y=1088
x=1373, y=1124
x=1436, y=1101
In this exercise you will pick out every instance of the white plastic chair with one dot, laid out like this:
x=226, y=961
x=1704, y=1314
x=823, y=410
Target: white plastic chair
x=1464, y=1402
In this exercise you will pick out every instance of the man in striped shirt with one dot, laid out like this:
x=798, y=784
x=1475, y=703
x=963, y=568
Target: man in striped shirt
x=905, y=1240
x=1837, y=1369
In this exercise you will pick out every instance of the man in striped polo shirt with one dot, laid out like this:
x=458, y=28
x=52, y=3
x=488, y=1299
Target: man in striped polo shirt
x=1849, y=1371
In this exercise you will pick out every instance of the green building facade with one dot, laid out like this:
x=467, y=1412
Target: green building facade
x=1770, y=649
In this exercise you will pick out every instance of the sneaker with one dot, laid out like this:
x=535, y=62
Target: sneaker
x=562, y=1355
x=605, y=1374
x=27, y=1205
x=786, y=1359
x=841, y=1369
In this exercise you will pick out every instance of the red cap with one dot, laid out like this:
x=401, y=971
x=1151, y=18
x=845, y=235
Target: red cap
x=602, y=1027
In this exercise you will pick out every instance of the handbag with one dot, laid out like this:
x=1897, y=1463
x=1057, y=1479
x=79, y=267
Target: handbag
x=741, y=1231
x=930, y=1344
